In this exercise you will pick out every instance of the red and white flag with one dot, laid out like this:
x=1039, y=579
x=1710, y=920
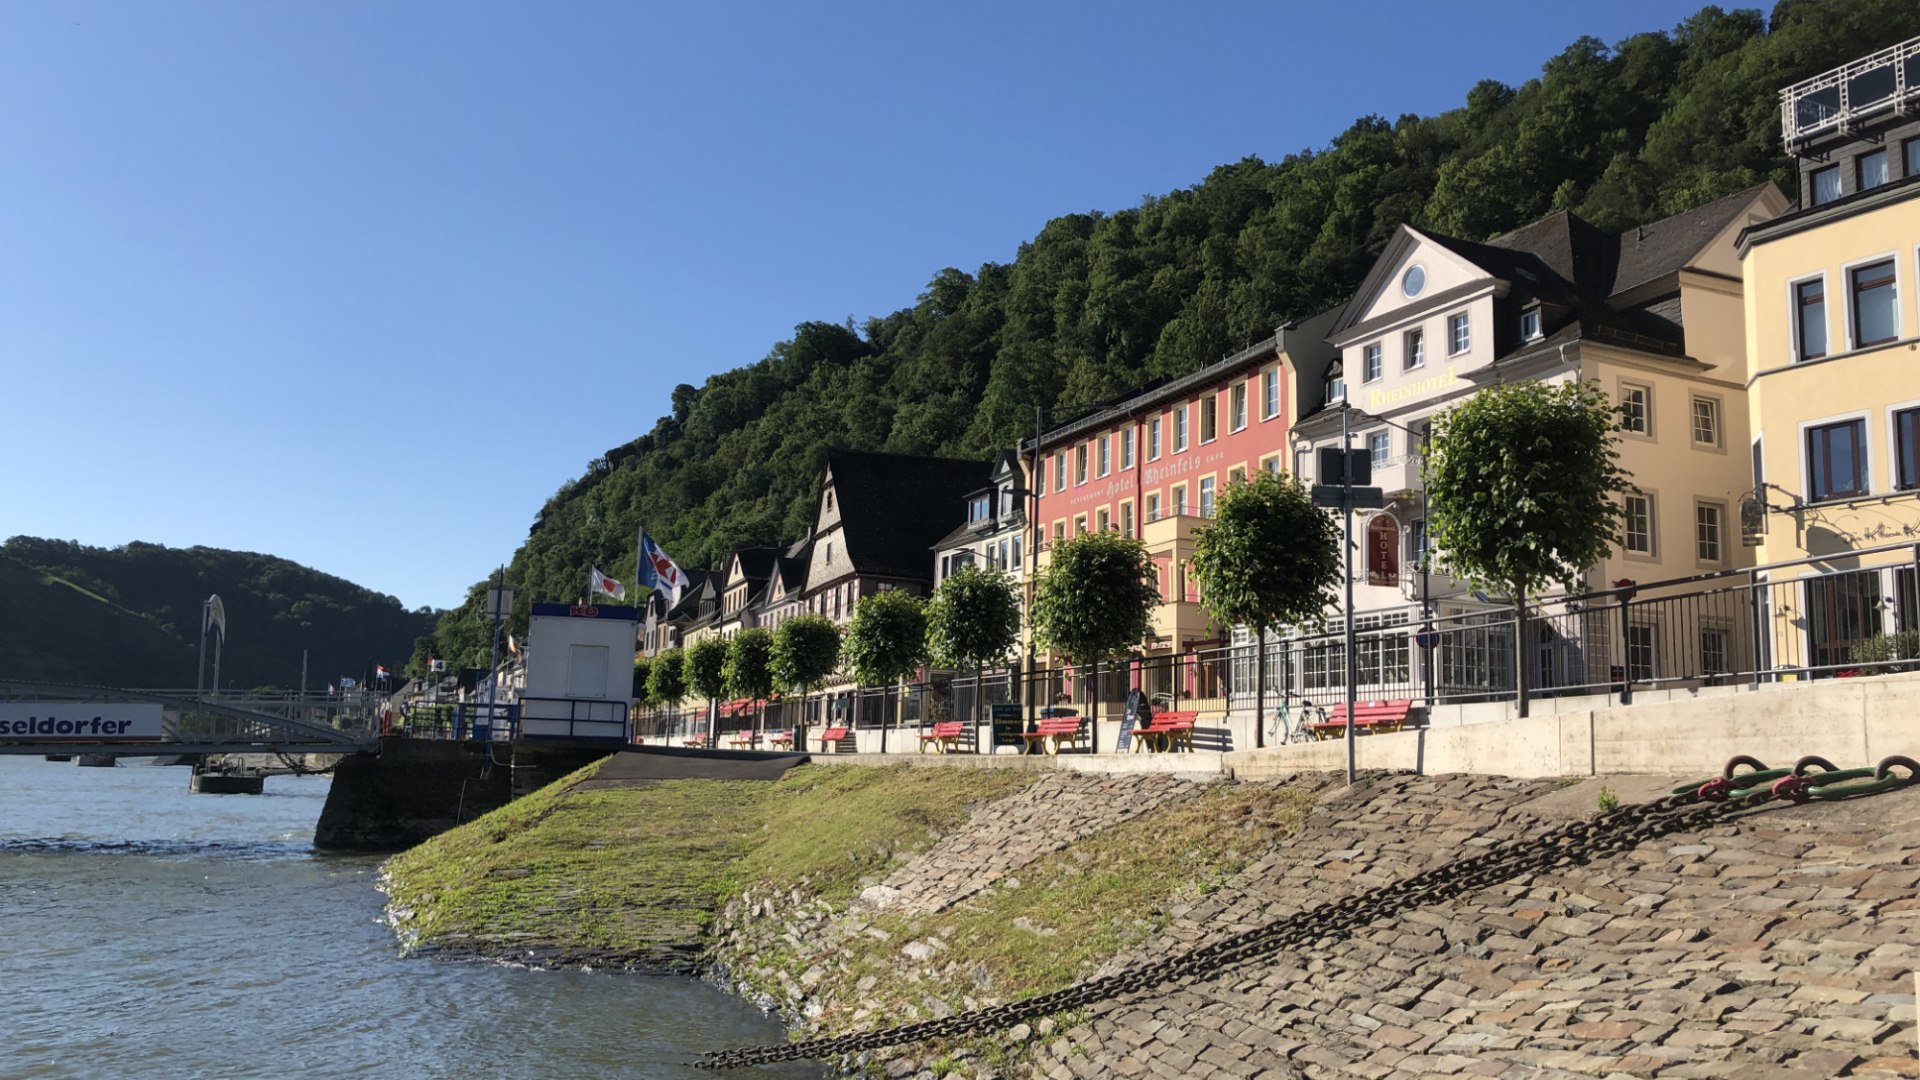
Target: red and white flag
x=598, y=582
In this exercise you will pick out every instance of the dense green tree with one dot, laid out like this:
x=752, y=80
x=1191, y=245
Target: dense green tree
x=887, y=639
x=749, y=667
x=1094, y=601
x=642, y=693
x=806, y=649
x=667, y=680
x=706, y=667
x=1269, y=558
x=973, y=622
x=1523, y=490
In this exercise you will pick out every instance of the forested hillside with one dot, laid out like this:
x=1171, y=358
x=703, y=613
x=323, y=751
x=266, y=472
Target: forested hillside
x=1100, y=303
x=127, y=616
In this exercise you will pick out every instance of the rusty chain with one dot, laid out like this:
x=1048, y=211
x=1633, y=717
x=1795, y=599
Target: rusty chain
x=1614, y=832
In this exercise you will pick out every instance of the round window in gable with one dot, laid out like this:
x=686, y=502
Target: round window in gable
x=1413, y=281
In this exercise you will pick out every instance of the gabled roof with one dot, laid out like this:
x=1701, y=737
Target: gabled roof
x=756, y=565
x=893, y=507
x=1668, y=245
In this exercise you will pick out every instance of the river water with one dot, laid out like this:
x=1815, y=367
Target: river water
x=145, y=932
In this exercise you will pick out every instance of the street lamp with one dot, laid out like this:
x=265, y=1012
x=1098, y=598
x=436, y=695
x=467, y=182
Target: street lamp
x=1425, y=636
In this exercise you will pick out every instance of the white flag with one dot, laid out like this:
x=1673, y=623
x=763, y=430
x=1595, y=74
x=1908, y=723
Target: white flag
x=598, y=582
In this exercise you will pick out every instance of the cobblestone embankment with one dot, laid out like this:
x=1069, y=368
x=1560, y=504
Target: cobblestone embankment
x=1782, y=944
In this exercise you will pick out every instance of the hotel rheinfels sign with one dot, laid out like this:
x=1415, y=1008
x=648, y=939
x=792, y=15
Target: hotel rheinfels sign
x=79, y=721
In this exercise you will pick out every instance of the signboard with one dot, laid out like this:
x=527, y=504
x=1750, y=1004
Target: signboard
x=79, y=721
x=1358, y=470
x=1753, y=522
x=1383, y=550
x=1364, y=498
x=587, y=611
x=1007, y=724
x=499, y=603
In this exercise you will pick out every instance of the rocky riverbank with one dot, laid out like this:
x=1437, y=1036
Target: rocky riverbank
x=1782, y=944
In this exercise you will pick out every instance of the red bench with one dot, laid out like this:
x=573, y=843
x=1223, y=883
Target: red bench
x=741, y=740
x=1054, y=730
x=780, y=740
x=944, y=738
x=698, y=742
x=1165, y=731
x=833, y=737
x=1377, y=716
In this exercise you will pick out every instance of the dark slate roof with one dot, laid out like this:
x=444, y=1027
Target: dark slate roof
x=756, y=562
x=895, y=507
x=1664, y=247
x=689, y=596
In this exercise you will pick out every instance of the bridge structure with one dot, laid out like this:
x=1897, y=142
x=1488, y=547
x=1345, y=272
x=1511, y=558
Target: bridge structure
x=207, y=724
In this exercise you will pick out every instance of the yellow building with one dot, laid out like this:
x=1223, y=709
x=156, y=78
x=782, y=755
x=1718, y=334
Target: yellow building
x=1833, y=371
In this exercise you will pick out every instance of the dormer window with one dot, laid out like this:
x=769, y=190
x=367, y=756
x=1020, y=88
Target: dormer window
x=1336, y=383
x=1530, y=324
x=979, y=509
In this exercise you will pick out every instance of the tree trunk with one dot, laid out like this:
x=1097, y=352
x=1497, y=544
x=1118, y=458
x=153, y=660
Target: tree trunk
x=1259, y=687
x=1520, y=649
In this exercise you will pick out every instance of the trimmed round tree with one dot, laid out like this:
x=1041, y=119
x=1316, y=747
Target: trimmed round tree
x=1095, y=600
x=667, y=678
x=642, y=667
x=1523, y=491
x=1268, y=558
x=748, y=669
x=806, y=650
x=886, y=641
x=973, y=621
x=706, y=676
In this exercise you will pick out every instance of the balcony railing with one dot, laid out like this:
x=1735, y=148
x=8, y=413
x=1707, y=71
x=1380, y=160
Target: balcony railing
x=1842, y=100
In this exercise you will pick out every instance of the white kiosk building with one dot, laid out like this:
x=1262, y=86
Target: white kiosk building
x=579, y=672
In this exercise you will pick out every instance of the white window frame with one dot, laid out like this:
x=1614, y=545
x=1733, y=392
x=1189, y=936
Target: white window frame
x=1652, y=531
x=1899, y=291
x=1060, y=470
x=1126, y=447
x=1103, y=460
x=1411, y=357
x=1382, y=451
x=1893, y=412
x=1153, y=438
x=1719, y=509
x=1454, y=346
x=1373, y=362
x=1718, y=440
x=1646, y=417
x=1530, y=325
x=1860, y=168
x=1181, y=423
x=1874, y=479
x=1793, y=315
x=1209, y=406
x=1080, y=455
x=1270, y=394
x=1237, y=406
x=1153, y=506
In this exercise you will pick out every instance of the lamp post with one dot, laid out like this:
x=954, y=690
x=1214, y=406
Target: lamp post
x=1425, y=435
x=1033, y=546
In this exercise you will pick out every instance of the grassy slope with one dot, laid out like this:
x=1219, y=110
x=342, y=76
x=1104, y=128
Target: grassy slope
x=636, y=874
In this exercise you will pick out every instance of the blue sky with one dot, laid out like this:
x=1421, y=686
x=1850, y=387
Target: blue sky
x=361, y=284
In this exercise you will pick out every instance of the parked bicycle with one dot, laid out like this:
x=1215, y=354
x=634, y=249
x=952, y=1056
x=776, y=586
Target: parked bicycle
x=1290, y=725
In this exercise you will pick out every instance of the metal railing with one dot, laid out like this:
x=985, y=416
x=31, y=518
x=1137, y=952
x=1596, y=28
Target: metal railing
x=1838, y=101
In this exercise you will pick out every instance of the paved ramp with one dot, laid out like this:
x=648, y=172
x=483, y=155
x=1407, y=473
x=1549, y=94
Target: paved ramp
x=639, y=766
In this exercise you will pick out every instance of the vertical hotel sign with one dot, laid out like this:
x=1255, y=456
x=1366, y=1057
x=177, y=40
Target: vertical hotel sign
x=1383, y=550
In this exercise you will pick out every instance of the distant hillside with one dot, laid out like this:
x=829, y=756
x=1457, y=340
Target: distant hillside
x=1101, y=303
x=127, y=616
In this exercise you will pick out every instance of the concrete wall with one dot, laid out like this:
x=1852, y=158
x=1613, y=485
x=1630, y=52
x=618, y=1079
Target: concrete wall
x=1850, y=721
